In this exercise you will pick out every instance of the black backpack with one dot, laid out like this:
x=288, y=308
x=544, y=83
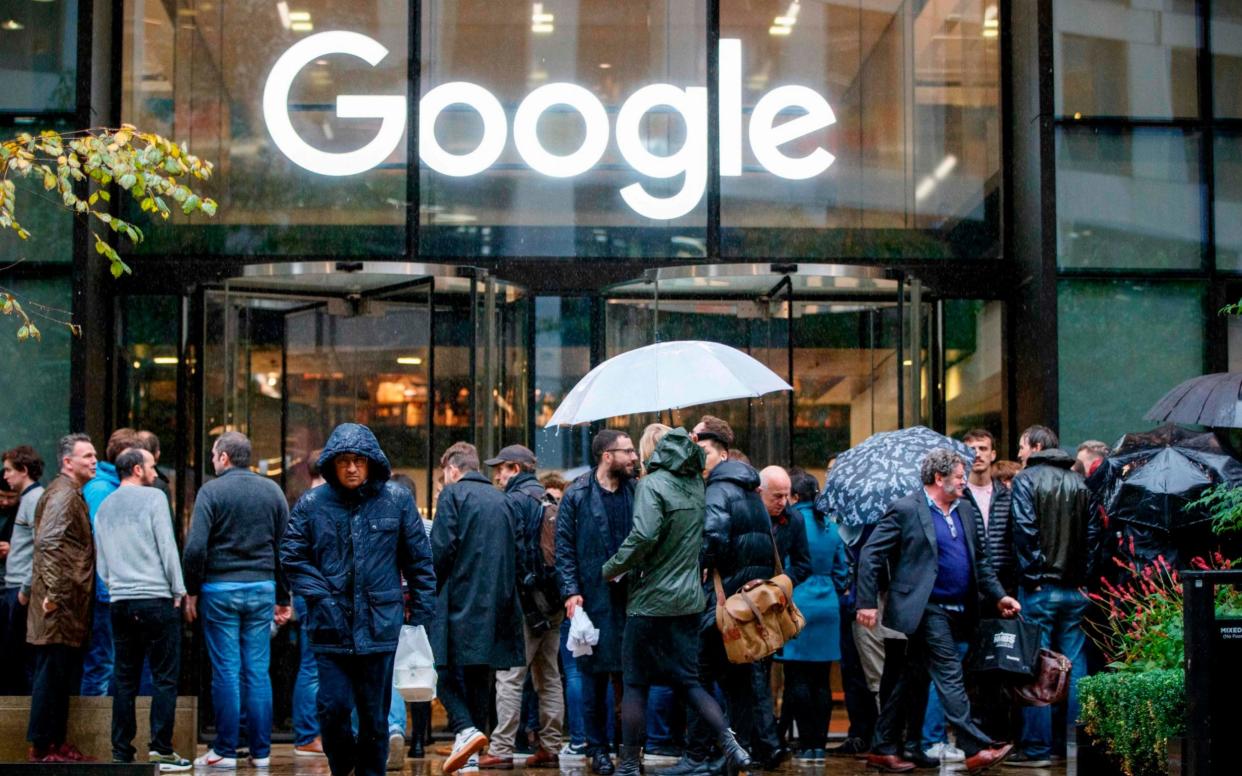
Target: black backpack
x=540, y=591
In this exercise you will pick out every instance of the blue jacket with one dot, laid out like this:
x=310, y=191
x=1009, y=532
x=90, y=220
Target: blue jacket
x=346, y=550
x=102, y=485
x=818, y=596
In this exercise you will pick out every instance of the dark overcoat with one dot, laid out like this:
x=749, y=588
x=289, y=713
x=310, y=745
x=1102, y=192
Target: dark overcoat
x=474, y=540
x=581, y=551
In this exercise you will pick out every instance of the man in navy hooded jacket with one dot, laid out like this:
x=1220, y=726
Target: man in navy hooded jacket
x=349, y=542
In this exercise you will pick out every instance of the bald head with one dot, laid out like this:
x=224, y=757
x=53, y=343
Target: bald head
x=774, y=487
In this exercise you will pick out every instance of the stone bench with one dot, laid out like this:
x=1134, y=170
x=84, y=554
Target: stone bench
x=90, y=726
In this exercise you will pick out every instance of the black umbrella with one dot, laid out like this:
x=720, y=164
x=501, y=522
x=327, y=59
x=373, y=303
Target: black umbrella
x=1209, y=400
x=1152, y=476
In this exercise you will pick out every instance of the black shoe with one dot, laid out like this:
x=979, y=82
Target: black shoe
x=921, y=760
x=772, y=762
x=736, y=758
x=602, y=765
x=688, y=766
x=417, y=750
x=663, y=750
x=851, y=747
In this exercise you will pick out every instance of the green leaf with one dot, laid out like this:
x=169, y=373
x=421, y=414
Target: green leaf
x=209, y=207
x=127, y=181
x=190, y=203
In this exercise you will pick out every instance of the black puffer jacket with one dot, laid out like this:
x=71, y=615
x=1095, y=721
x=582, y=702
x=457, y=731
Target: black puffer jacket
x=737, y=535
x=1055, y=534
x=1000, y=534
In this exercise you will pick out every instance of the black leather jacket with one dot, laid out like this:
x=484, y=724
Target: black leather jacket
x=737, y=535
x=1055, y=534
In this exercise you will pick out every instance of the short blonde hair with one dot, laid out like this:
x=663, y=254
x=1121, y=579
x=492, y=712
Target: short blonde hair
x=647, y=442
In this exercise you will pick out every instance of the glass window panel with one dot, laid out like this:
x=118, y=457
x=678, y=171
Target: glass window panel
x=39, y=67
x=1226, y=32
x=1133, y=58
x=610, y=50
x=974, y=366
x=1228, y=204
x=197, y=75
x=35, y=375
x=1128, y=198
x=562, y=358
x=914, y=90
x=1154, y=340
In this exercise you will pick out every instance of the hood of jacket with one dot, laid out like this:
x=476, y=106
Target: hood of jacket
x=522, y=481
x=1054, y=457
x=678, y=454
x=357, y=439
x=740, y=474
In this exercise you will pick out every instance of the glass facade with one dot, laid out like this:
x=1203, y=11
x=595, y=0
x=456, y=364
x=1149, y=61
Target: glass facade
x=1123, y=344
x=845, y=132
x=40, y=64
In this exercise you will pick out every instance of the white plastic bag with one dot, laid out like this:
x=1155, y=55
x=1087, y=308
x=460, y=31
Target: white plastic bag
x=583, y=635
x=414, y=672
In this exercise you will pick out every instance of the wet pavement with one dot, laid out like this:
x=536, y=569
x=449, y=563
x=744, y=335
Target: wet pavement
x=284, y=763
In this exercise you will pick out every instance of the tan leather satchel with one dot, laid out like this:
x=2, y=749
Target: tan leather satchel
x=757, y=620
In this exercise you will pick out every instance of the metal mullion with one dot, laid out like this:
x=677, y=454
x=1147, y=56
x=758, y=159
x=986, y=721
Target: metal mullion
x=713, y=129
x=412, y=172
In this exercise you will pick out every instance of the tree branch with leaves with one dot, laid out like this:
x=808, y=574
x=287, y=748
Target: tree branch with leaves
x=152, y=169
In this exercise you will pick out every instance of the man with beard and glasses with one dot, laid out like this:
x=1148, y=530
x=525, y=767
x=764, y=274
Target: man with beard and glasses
x=596, y=514
x=939, y=568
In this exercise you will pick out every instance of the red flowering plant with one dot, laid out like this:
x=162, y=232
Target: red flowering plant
x=1144, y=629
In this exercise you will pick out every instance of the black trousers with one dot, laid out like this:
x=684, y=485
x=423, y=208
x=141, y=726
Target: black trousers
x=15, y=657
x=144, y=629
x=346, y=683
x=930, y=651
x=808, y=701
x=860, y=702
x=748, y=700
x=465, y=692
x=595, y=709
x=57, y=675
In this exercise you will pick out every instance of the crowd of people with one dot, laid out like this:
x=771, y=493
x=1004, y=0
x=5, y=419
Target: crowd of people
x=96, y=594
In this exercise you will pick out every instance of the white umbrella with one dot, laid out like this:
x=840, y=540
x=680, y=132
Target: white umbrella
x=667, y=375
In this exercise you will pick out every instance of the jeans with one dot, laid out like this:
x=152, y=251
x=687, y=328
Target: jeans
x=934, y=731
x=237, y=629
x=57, y=670
x=573, y=691
x=1058, y=611
x=97, y=666
x=597, y=711
x=465, y=692
x=145, y=628
x=361, y=683
x=662, y=707
x=306, y=685
x=15, y=655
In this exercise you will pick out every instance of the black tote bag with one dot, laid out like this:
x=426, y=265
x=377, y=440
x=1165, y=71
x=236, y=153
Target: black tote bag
x=1007, y=647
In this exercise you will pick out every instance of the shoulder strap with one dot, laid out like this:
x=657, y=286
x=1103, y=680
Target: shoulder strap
x=776, y=553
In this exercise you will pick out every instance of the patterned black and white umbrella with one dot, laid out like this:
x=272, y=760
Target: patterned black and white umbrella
x=867, y=478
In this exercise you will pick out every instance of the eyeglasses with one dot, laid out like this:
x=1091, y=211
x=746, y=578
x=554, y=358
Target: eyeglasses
x=622, y=450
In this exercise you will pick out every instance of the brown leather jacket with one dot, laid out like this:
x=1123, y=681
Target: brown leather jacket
x=64, y=567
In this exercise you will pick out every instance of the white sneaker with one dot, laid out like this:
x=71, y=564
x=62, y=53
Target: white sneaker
x=260, y=762
x=951, y=754
x=396, y=751
x=468, y=742
x=573, y=753
x=472, y=765
x=210, y=759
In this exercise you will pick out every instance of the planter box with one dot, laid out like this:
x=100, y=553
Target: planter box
x=90, y=726
x=1093, y=757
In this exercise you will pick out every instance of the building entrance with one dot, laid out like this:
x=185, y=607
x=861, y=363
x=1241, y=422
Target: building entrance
x=426, y=355
x=857, y=344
